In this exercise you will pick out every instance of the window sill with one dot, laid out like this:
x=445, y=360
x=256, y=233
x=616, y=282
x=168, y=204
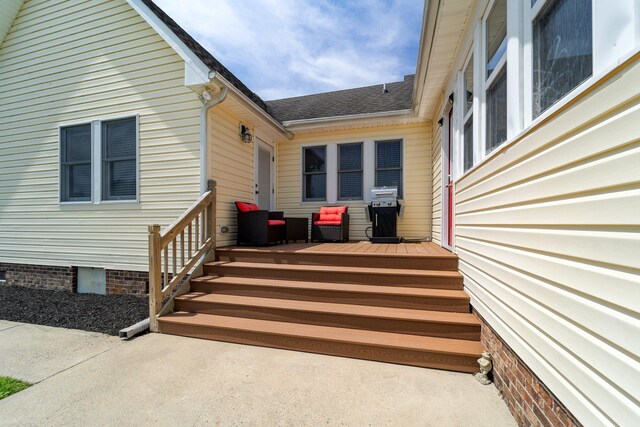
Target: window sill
x=559, y=107
x=101, y=203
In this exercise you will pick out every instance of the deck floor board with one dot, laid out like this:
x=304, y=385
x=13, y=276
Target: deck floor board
x=426, y=249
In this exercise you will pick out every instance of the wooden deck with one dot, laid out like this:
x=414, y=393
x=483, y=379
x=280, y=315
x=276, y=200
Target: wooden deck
x=426, y=249
x=399, y=303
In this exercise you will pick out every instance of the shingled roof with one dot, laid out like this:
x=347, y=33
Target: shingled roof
x=362, y=100
x=204, y=55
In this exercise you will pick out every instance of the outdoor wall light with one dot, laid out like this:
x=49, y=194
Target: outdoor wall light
x=245, y=134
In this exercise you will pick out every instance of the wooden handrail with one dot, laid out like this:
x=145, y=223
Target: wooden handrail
x=167, y=272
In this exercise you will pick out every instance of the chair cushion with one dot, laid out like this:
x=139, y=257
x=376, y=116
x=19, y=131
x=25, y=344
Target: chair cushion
x=247, y=207
x=327, y=223
x=275, y=222
x=332, y=213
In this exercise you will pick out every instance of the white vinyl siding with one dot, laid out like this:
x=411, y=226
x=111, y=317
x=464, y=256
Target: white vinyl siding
x=73, y=62
x=548, y=238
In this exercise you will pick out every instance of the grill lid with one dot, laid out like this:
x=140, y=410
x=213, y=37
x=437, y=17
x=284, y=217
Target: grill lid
x=384, y=193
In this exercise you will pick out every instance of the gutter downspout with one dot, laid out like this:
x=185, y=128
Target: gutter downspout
x=204, y=146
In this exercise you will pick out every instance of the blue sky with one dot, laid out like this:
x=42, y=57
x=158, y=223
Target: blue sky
x=283, y=48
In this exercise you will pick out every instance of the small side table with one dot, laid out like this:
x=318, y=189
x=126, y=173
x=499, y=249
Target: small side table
x=296, y=229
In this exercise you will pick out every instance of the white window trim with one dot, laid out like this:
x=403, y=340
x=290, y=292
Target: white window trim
x=625, y=42
x=486, y=82
x=368, y=170
x=302, y=174
x=96, y=160
x=460, y=118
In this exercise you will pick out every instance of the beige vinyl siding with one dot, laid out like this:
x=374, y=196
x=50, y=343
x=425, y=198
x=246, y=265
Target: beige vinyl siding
x=436, y=210
x=8, y=11
x=231, y=167
x=416, y=220
x=548, y=234
x=76, y=61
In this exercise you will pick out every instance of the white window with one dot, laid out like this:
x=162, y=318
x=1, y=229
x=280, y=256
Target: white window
x=528, y=56
x=99, y=161
x=467, y=115
x=350, y=171
x=315, y=173
x=495, y=78
x=347, y=171
x=389, y=165
x=562, y=49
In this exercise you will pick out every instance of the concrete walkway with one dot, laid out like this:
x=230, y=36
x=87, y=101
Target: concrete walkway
x=84, y=378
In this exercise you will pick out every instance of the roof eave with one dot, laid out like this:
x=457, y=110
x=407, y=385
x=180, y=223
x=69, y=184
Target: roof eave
x=427, y=36
x=353, y=120
x=253, y=106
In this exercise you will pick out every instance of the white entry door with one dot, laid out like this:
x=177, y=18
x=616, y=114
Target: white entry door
x=264, y=173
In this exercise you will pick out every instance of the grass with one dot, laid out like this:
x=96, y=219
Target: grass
x=9, y=386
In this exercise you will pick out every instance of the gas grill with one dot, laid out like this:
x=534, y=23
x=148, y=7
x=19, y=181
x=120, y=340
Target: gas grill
x=383, y=212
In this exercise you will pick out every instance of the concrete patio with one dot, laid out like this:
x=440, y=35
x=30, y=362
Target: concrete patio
x=84, y=378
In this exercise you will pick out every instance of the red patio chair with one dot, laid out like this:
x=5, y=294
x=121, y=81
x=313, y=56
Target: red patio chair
x=330, y=224
x=259, y=227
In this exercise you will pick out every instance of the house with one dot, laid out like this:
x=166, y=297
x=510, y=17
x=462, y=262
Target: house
x=515, y=146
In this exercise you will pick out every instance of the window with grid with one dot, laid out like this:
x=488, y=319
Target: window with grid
x=350, y=171
x=562, y=49
x=389, y=165
x=75, y=163
x=315, y=173
x=119, y=165
x=496, y=75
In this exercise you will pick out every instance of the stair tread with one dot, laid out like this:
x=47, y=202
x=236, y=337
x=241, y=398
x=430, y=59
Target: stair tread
x=339, y=269
x=338, y=287
x=336, y=308
x=329, y=333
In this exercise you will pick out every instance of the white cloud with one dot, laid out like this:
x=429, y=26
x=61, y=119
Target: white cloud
x=282, y=48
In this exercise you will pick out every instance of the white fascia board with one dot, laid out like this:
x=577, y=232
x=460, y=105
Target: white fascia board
x=196, y=71
x=350, y=120
x=427, y=36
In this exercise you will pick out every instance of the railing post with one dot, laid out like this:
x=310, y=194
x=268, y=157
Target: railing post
x=155, y=276
x=211, y=219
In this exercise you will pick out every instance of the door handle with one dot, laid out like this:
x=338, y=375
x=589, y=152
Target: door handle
x=257, y=192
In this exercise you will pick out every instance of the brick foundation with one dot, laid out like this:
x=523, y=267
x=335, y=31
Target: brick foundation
x=65, y=279
x=529, y=400
x=40, y=276
x=127, y=282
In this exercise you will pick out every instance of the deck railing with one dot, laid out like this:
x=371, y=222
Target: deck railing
x=177, y=250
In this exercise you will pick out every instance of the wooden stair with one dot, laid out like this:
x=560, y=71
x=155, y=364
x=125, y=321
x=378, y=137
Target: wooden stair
x=411, y=310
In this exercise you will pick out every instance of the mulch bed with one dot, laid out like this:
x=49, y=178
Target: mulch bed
x=96, y=313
